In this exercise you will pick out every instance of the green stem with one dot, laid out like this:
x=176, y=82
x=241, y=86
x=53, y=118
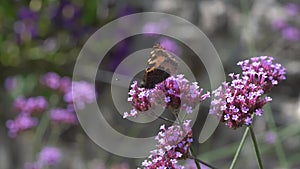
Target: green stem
x=202, y=162
x=40, y=131
x=238, y=151
x=193, y=154
x=278, y=144
x=256, y=147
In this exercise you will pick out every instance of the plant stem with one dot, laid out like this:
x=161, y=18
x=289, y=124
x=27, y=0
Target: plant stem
x=193, y=154
x=40, y=131
x=278, y=144
x=238, y=151
x=202, y=162
x=256, y=147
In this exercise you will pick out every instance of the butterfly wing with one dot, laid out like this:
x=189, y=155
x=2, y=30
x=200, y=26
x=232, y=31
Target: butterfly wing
x=161, y=65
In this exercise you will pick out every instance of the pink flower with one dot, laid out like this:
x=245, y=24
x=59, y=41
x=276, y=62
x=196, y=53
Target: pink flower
x=31, y=104
x=63, y=116
x=50, y=156
x=173, y=93
x=21, y=123
x=236, y=102
x=173, y=145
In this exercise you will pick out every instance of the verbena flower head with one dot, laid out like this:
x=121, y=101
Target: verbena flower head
x=22, y=122
x=238, y=101
x=63, y=116
x=235, y=103
x=173, y=145
x=263, y=72
x=50, y=156
x=174, y=92
x=31, y=105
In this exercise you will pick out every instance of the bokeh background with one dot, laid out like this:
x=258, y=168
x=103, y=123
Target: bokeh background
x=41, y=36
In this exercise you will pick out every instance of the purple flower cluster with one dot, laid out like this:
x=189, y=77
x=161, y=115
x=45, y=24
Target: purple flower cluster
x=82, y=94
x=78, y=92
x=288, y=32
x=61, y=115
x=262, y=71
x=173, y=145
x=49, y=156
x=174, y=93
x=21, y=123
x=55, y=82
x=238, y=101
x=26, y=108
x=31, y=105
x=139, y=98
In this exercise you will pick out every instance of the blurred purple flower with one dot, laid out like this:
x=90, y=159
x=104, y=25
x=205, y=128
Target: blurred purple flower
x=270, y=137
x=291, y=34
x=26, y=13
x=292, y=9
x=31, y=105
x=65, y=14
x=50, y=156
x=26, y=26
x=155, y=27
x=65, y=84
x=10, y=83
x=279, y=24
x=81, y=93
x=170, y=45
x=21, y=123
x=63, y=116
x=51, y=80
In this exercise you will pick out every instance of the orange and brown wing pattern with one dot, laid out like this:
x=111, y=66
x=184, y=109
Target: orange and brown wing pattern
x=161, y=65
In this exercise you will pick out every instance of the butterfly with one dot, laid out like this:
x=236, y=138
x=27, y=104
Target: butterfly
x=161, y=65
